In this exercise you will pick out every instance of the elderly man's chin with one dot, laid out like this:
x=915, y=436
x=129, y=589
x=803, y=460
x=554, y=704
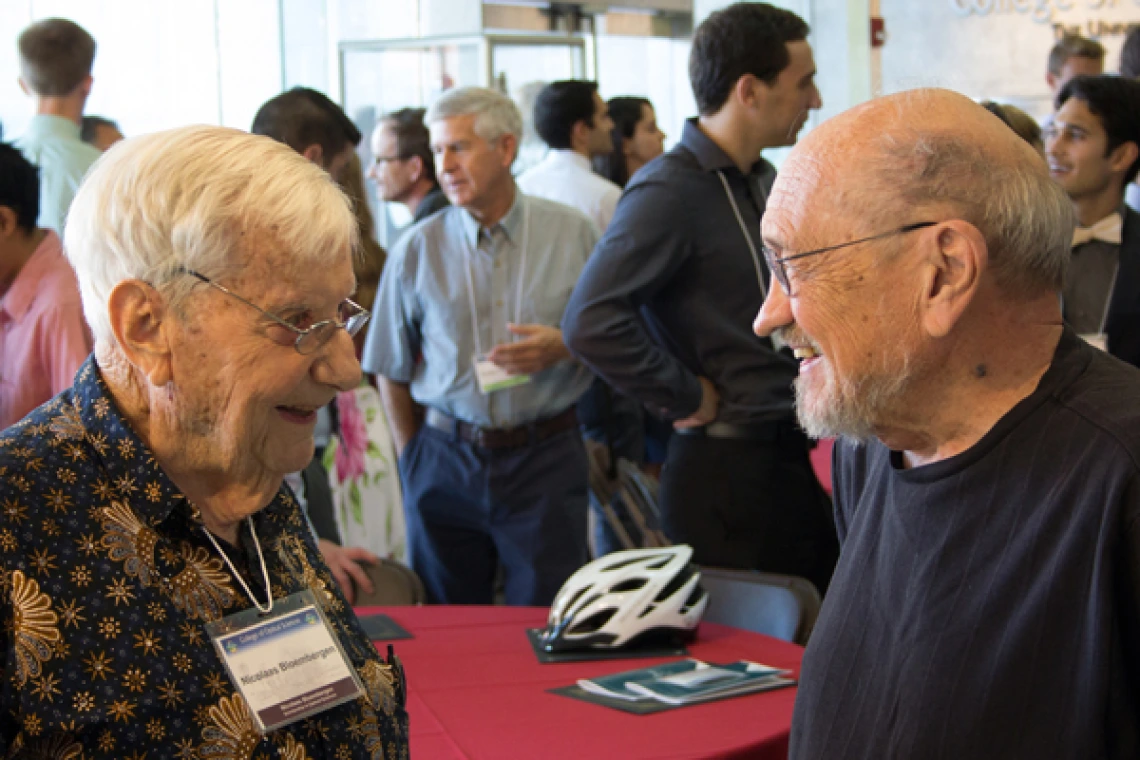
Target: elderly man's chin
x=848, y=410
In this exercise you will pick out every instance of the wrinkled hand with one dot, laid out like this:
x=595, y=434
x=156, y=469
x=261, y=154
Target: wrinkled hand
x=345, y=565
x=541, y=347
x=706, y=412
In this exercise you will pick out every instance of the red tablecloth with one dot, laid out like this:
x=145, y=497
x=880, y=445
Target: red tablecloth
x=476, y=692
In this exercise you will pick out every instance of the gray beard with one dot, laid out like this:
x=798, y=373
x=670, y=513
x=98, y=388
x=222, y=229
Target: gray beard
x=852, y=408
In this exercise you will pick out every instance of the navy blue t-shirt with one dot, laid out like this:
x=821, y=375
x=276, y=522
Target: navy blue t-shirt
x=986, y=606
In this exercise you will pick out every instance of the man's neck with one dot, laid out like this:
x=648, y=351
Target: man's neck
x=731, y=137
x=1092, y=208
x=19, y=252
x=496, y=208
x=417, y=194
x=975, y=381
x=69, y=107
x=582, y=150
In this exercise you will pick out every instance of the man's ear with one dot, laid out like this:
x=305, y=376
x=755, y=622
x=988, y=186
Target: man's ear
x=1123, y=157
x=9, y=223
x=1051, y=80
x=24, y=88
x=510, y=145
x=956, y=257
x=139, y=319
x=84, y=87
x=750, y=91
x=417, y=163
x=315, y=153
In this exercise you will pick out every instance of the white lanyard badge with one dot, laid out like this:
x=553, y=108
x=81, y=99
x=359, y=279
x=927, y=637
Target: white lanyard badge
x=287, y=665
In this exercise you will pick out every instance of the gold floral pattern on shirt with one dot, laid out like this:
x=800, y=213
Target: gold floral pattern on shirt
x=379, y=685
x=34, y=627
x=203, y=589
x=231, y=734
x=129, y=541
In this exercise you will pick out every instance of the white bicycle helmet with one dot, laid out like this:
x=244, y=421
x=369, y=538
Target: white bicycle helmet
x=626, y=595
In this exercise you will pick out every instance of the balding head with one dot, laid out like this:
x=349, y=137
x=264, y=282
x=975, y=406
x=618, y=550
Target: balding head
x=933, y=154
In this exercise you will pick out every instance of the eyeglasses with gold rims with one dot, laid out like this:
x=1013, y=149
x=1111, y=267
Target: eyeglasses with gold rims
x=350, y=315
x=778, y=266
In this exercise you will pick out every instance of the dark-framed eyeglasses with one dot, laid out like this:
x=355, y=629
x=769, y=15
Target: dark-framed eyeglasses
x=350, y=315
x=778, y=266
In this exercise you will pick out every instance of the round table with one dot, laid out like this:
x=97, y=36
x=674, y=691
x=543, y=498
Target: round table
x=476, y=691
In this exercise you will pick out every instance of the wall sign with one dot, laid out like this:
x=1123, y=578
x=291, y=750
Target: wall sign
x=1045, y=11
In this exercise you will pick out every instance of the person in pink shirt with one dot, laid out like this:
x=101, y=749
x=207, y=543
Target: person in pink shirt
x=43, y=336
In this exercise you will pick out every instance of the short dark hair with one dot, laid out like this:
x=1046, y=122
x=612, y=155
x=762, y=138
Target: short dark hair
x=19, y=187
x=56, y=55
x=1130, y=53
x=744, y=38
x=412, y=137
x=90, y=126
x=1073, y=46
x=626, y=112
x=301, y=117
x=561, y=105
x=1116, y=102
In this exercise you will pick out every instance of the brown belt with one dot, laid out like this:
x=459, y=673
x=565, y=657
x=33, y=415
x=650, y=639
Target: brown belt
x=502, y=438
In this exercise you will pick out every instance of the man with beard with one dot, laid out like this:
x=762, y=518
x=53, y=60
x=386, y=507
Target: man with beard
x=986, y=603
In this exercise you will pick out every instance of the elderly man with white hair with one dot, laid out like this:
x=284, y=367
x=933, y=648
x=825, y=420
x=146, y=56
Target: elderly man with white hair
x=477, y=382
x=986, y=603
x=160, y=588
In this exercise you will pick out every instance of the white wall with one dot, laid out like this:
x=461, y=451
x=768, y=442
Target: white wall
x=159, y=64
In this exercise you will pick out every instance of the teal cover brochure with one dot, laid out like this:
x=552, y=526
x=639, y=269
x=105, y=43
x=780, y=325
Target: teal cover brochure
x=687, y=681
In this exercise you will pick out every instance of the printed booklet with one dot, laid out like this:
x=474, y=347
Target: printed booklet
x=687, y=681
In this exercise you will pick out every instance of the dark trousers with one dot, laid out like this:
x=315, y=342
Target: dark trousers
x=749, y=504
x=470, y=509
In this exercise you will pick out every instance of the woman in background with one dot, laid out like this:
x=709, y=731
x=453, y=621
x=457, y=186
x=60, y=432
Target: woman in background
x=637, y=139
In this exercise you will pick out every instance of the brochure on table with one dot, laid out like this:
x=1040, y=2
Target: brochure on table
x=688, y=681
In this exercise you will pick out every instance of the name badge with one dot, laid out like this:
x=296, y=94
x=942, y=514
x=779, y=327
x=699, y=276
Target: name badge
x=491, y=377
x=287, y=665
x=1097, y=340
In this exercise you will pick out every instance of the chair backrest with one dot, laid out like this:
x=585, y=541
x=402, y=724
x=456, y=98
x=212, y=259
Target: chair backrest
x=392, y=584
x=782, y=606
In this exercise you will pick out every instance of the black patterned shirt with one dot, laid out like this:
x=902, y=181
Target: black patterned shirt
x=107, y=583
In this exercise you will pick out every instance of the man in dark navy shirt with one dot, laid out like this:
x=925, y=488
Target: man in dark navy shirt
x=664, y=308
x=987, y=597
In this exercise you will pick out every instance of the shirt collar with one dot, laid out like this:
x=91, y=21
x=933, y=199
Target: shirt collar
x=710, y=156
x=47, y=125
x=573, y=157
x=511, y=224
x=22, y=292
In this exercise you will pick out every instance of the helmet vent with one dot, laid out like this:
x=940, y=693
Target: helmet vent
x=623, y=563
x=659, y=563
x=697, y=594
x=680, y=579
x=629, y=584
x=593, y=623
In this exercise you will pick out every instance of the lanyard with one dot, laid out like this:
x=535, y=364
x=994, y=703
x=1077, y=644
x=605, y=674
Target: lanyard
x=747, y=235
x=264, y=573
x=522, y=279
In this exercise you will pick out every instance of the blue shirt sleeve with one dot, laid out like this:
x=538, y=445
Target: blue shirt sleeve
x=393, y=342
x=639, y=255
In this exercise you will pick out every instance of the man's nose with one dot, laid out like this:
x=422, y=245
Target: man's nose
x=775, y=313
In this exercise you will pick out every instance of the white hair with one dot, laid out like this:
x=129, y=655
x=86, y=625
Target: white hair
x=495, y=114
x=1025, y=216
x=156, y=205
